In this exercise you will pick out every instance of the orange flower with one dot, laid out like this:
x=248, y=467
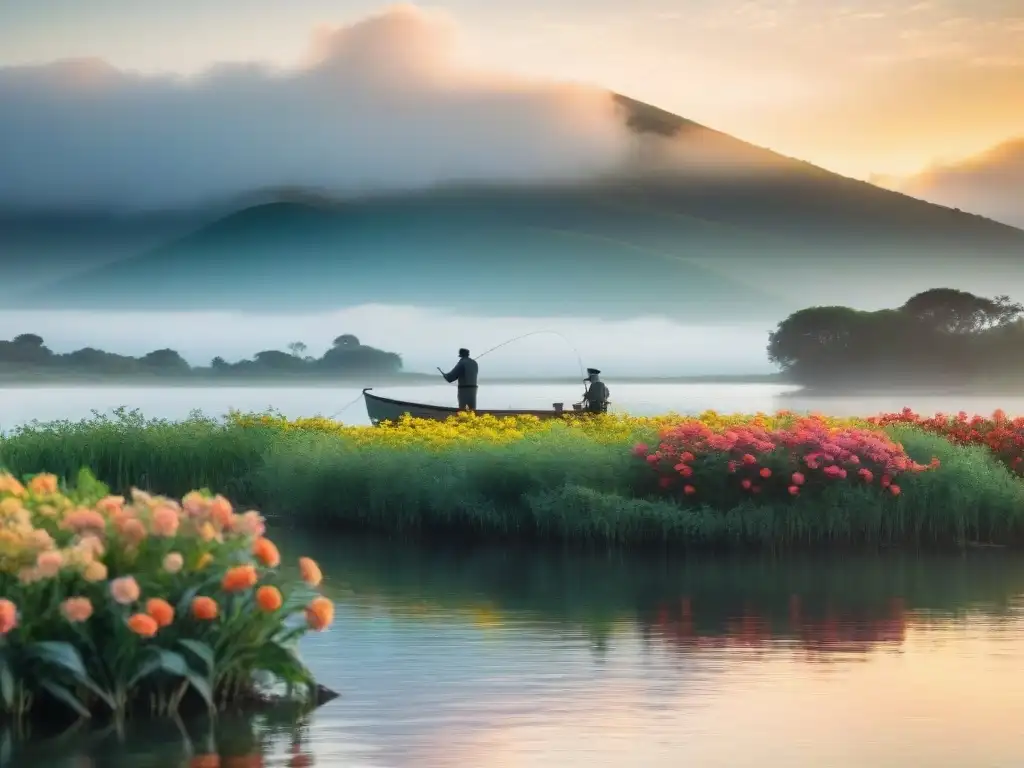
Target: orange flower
x=142, y=625
x=76, y=609
x=165, y=521
x=319, y=613
x=239, y=579
x=49, y=563
x=310, y=571
x=265, y=551
x=43, y=485
x=765, y=472
x=161, y=611
x=220, y=511
x=8, y=616
x=125, y=590
x=205, y=608
x=269, y=598
x=133, y=531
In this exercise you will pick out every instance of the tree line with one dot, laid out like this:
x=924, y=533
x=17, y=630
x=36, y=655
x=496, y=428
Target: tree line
x=940, y=336
x=28, y=353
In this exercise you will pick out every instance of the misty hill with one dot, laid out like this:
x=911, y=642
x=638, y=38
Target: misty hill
x=701, y=226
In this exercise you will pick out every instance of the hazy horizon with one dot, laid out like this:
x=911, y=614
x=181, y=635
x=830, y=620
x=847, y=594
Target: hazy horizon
x=425, y=339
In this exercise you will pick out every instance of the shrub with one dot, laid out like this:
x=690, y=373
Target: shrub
x=1001, y=435
x=113, y=606
x=723, y=467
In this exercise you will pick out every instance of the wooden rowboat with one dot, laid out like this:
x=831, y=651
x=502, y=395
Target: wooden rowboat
x=385, y=409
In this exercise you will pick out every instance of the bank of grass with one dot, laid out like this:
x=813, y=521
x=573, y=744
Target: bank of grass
x=551, y=483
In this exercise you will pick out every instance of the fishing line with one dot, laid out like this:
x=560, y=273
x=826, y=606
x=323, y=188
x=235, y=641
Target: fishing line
x=339, y=412
x=579, y=358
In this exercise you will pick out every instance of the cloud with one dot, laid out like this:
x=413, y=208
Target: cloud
x=990, y=183
x=381, y=104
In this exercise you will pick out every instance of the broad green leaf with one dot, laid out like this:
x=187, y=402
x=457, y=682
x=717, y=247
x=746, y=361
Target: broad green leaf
x=172, y=663
x=6, y=748
x=6, y=685
x=161, y=660
x=60, y=654
x=66, y=657
x=203, y=688
x=62, y=694
x=203, y=651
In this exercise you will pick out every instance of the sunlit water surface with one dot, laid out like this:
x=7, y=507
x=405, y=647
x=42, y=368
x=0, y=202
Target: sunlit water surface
x=506, y=657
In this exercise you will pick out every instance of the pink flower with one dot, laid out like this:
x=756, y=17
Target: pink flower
x=125, y=590
x=640, y=449
x=798, y=478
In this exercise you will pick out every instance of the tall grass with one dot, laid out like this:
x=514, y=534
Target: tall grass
x=557, y=484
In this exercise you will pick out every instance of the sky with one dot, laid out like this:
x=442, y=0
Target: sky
x=885, y=87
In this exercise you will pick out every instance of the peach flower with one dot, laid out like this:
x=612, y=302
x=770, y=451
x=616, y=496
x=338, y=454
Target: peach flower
x=77, y=609
x=125, y=590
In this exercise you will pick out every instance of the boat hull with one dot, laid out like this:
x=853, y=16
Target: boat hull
x=385, y=409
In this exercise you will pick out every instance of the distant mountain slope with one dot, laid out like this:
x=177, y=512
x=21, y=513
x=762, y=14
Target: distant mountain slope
x=701, y=226
x=991, y=183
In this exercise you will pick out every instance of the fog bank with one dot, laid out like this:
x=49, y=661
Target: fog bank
x=646, y=347
x=383, y=103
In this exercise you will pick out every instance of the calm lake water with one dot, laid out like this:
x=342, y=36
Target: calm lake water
x=19, y=405
x=504, y=657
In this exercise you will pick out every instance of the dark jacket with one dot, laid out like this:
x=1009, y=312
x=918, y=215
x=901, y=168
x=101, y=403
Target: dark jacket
x=464, y=372
x=596, y=396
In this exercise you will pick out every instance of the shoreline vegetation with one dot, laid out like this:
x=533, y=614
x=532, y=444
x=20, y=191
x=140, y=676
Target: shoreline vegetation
x=113, y=607
x=781, y=482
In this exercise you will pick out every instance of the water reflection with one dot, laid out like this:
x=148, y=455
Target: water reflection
x=231, y=741
x=509, y=657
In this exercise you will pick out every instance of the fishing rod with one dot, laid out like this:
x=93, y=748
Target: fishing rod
x=579, y=360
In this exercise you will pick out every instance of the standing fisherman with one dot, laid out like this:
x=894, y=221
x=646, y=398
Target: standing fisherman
x=464, y=372
x=595, y=397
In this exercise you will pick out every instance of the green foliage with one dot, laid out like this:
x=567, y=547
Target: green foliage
x=939, y=335
x=550, y=485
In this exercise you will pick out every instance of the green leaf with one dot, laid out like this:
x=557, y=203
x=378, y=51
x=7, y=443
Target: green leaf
x=6, y=685
x=203, y=688
x=60, y=654
x=161, y=660
x=62, y=694
x=6, y=748
x=201, y=650
x=283, y=663
x=66, y=657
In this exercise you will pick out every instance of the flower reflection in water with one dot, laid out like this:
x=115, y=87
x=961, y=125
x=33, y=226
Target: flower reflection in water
x=232, y=741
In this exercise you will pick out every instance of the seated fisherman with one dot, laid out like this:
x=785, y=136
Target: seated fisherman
x=595, y=398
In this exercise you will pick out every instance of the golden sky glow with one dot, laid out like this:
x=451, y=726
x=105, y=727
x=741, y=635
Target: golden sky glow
x=862, y=87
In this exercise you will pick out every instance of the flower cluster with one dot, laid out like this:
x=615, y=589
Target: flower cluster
x=788, y=460
x=468, y=427
x=999, y=433
x=97, y=588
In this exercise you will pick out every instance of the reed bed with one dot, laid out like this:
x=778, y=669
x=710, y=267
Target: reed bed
x=584, y=480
